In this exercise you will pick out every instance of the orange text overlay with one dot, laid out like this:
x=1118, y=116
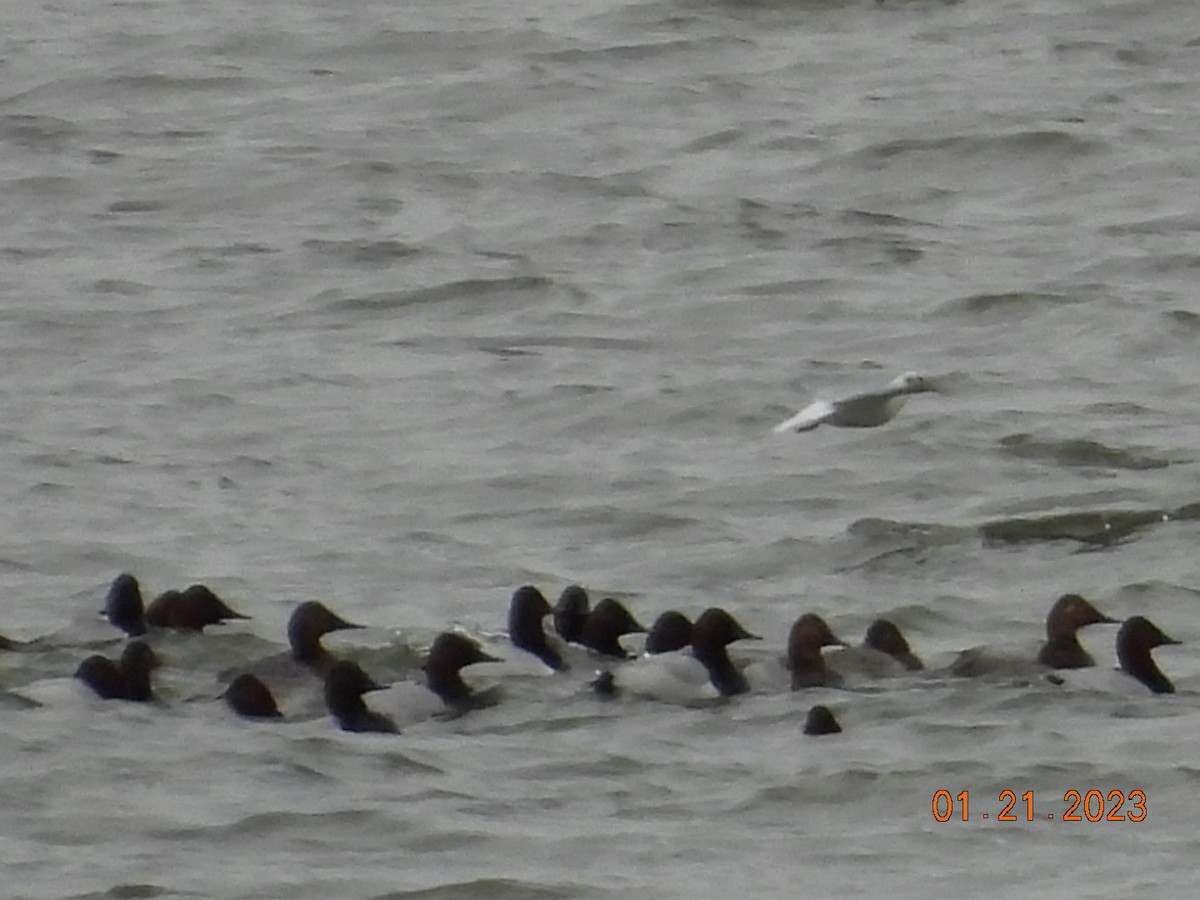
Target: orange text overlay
x=1076, y=806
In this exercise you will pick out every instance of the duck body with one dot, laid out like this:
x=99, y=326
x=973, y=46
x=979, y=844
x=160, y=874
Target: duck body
x=701, y=673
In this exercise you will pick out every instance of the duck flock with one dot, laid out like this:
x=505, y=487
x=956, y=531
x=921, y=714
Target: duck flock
x=680, y=660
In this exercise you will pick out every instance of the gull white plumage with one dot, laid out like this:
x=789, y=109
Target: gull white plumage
x=860, y=411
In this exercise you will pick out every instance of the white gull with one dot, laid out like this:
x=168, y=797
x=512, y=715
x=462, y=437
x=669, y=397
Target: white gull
x=861, y=410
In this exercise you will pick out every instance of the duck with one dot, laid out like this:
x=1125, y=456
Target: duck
x=1136, y=638
x=191, y=609
x=442, y=693
x=605, y=624
x=123, y=605
x=808, y=635
x=821, y=720
x=701, y=673
x=884, y=635
x=672, y=630
x=345, y=685
x=1060, y=650
x=249, y=697
x=450, y=653
x=884, y=652
x=127, y=678
x=867, y=410
x=571, y=612
x=526, y=611
x=308, y=623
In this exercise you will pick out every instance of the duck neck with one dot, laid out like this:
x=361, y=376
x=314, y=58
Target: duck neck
x=312, y=653
x=569, y=626
x=449, y=686
x=533, y=640
x=724, y=675
x=1063, y=651
x=345, y=707
x=607, y=645
x=137, y=685
x=1142, y=666
x=808, y=667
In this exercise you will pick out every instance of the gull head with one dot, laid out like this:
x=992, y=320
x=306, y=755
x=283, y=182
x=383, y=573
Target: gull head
x=912, y=383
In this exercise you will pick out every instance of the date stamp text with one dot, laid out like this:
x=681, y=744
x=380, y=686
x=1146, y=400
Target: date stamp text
x=1078, y=806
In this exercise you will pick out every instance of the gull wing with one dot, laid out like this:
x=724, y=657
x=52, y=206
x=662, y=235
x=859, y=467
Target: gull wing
x=809, y=417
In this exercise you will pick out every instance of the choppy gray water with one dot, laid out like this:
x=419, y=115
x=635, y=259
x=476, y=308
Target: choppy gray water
x=403, y=305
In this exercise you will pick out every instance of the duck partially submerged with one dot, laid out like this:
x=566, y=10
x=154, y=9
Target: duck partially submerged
x=820, y=720
x=604, y=627
x=571, y=612
x=192, y=609
x=248, y=696
x=123, y=605
x=672, y=630
x=345, y=685
x=127, y=678
x=526, y=611
x=884, y=636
